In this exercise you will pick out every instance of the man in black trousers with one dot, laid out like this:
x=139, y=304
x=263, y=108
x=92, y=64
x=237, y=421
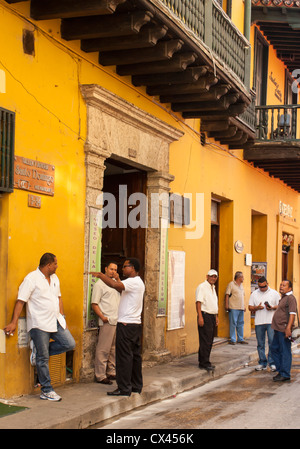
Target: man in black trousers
x=129, y=328
x=207, y=312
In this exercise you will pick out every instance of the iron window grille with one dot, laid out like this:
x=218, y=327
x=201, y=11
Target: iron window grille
x=7, y=140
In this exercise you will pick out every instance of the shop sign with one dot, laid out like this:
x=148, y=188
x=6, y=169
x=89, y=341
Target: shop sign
x=34, y=176
x=285, y=209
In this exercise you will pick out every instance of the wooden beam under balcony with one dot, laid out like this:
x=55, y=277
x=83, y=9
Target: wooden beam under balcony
x=233, y=111
x=205, y=106
x=57, y=9
x=162, y=51
x=202, y=85
x=190, y=75
x=264, y=154
x=178, y=63
x=104, y=26
x=148, y=36
x=214, y=93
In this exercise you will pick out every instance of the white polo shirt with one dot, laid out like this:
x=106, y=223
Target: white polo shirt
x=131, y=302
x=206, y=294
x=258, y=297
x=42, y=301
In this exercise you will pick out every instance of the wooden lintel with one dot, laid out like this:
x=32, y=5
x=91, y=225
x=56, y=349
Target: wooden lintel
x=104, y=26
x=190, y=75
x=214, y=93
x=162, y=51
x=147, y=37
x=202, y=85
x=58, y=9
x=176, y=64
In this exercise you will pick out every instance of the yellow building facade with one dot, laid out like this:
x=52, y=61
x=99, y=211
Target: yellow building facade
x=94, y=130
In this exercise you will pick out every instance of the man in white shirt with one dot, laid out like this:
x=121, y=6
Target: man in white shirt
x=129, y=328
x=207, y=312
x=40, y=291
x=263, y=302
x=105, y=304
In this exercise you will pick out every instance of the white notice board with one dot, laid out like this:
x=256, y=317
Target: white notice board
x=176, y=290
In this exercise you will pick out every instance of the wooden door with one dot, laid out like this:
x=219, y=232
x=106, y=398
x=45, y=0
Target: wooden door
x=119, y=243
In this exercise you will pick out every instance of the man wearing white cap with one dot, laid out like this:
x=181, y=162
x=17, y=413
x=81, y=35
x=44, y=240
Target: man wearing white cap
x=207, y=311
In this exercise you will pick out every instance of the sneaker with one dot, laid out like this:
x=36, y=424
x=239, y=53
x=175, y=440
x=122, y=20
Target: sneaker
x=33, y=353
x=273, y=368
x=50, y=396
x=260, y=368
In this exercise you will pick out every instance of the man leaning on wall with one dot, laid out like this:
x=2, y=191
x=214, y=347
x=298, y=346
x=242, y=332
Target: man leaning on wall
x=40, y=291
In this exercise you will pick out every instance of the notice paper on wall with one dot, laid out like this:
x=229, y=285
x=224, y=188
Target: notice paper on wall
x=176, y=290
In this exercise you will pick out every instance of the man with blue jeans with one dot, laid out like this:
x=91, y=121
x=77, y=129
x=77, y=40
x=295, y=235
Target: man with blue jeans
x=263, y=302
x=234, y=304
x=282, y=324
x=40, y=291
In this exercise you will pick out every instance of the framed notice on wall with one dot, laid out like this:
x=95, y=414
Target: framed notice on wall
x=176, y=290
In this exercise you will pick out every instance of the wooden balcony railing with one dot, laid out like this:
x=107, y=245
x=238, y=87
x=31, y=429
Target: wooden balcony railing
x=207, y=20
x=277, y=123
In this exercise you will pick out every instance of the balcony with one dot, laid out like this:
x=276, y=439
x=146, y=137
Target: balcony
x=277, y=145
x=186, y=52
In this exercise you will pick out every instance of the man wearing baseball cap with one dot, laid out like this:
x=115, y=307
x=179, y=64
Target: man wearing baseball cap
x=207, y=311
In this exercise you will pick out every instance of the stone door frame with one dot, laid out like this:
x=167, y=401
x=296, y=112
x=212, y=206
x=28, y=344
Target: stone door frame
x=118, y=129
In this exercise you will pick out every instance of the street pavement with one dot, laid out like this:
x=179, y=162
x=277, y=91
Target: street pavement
x=85, y=404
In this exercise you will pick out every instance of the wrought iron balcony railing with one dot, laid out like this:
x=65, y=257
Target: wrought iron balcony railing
x=277, y=123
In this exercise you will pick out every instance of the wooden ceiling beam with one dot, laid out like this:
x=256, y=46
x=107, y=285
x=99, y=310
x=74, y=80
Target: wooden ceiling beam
x=104, y=26
x=202, y=85
x=57, y=9
x=214, y=93
x=162, y=51
x=203, y=106
x=147, y=37
x=178, y=63
x=190, y=75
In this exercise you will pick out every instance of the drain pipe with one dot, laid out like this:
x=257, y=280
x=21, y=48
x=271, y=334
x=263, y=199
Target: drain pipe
x=247, y=19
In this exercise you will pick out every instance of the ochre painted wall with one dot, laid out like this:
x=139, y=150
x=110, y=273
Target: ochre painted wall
x=44, y=91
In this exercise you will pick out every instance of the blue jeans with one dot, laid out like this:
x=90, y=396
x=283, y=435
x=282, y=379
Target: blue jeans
x=261, y=331
x=236, y=324
x=282, y=354
x=63, y=342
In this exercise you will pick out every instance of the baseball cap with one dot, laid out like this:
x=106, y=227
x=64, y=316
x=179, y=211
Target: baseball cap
x=212, y=273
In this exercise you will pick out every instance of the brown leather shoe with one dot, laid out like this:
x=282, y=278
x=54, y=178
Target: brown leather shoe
x=105, y=381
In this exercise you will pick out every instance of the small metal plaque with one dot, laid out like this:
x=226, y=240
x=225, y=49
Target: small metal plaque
x=34, y=201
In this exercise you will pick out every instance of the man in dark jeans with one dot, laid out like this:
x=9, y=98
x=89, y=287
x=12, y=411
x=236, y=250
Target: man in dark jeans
x=207, y=312
x=282, y=324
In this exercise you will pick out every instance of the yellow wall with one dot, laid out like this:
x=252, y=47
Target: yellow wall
x=44, y=91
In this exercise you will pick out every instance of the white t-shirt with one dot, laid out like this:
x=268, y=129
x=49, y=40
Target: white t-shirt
x=131, y=302
x=108, y=300
x=42, y=301
x=258, y=297
x=206, y=294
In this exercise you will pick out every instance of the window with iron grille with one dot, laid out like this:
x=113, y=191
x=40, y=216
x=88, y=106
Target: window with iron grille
x=7, y=139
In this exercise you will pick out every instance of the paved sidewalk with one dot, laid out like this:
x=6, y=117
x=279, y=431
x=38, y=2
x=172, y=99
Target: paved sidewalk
x=86, y=404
